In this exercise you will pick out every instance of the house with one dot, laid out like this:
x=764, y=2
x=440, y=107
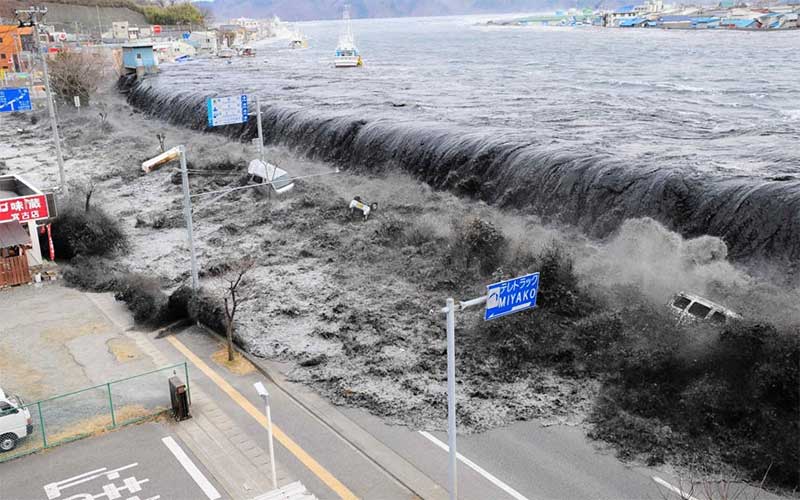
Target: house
x=203, y=41
x=139, y=57
x=675, y=22
x=740, y=24
x=633, y=22
x=705, y=22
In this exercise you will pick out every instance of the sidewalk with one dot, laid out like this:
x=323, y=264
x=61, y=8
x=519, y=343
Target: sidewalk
x=239, y=464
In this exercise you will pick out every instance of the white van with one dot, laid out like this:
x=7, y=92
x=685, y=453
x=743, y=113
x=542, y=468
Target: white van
x=15, y=421
x=688, y=307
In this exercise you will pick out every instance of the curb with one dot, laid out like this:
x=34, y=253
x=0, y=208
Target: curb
x=383, y=457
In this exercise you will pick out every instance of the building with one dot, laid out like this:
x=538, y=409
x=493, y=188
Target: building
x=139, y=57
x=203, y=41
x=13, y=41
x=22, y=208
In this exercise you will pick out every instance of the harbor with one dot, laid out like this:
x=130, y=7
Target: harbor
x=727, y=15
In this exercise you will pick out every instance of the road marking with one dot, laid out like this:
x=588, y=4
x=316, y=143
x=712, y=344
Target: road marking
x=674, y=489
x=191, y=468
x=321, y=472
x=477, y=468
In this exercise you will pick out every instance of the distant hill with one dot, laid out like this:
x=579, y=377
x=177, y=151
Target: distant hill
x=303, y=10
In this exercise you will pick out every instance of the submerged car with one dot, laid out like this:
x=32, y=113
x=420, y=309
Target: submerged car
x=688, y=307
x=267, y=173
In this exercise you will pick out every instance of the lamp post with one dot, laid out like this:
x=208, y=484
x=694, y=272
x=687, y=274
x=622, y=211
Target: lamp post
x=262, y=391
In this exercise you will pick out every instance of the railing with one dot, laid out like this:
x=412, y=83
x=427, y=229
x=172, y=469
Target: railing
x=78, y=414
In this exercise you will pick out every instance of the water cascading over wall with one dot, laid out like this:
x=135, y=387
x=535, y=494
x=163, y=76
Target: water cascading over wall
x=757, y=218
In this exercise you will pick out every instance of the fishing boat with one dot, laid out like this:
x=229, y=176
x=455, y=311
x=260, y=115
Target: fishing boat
x=226, y=53
x=347, y=55
x=298, y=41
x=248, y=51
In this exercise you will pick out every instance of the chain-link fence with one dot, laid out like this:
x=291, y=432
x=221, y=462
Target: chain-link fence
x=78, y=414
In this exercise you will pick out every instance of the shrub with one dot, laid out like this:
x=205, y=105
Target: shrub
x=476, y=241
x=144, y=298
x=86, y=233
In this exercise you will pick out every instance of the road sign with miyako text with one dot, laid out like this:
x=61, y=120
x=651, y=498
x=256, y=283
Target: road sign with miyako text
x=227, y=110
x=15, y=99
x=24, y=208
x=514, y=295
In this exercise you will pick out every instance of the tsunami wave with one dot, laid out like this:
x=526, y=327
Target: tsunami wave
x=757, y=217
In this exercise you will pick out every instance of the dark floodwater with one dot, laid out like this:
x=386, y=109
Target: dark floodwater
x=700, y=130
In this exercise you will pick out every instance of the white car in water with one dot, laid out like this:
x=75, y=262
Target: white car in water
x=688, y=307
x=15, y=421
x=267, y=173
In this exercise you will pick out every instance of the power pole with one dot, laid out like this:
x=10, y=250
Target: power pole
x=33, y=21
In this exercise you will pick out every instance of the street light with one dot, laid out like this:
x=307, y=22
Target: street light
x=262, y=391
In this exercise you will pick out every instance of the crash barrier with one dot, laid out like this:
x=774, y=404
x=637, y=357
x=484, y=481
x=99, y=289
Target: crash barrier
x=78, y=414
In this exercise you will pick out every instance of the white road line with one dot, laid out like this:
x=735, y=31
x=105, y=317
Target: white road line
x=674, y=489
x=477, y=468
x=192, y=469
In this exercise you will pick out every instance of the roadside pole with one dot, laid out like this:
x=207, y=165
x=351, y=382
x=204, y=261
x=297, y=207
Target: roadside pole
x=451, y=397
x=260, y=132
x=49, y=92
x=450, y=311
x=262, y=391
x=187, y=212
x=503, y=298
x=50, y=106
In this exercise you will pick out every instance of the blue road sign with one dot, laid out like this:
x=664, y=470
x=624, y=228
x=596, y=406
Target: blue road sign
x=514, y=295
x=186, y=35
x=227, y=110
x=15, y=100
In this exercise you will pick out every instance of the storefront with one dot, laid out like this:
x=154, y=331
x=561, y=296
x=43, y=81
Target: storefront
x=22, y=208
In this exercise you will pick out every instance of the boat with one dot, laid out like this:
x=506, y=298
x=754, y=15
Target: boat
x=226, y=53
x=298, y=41
x=347, y=55
x=248, y=51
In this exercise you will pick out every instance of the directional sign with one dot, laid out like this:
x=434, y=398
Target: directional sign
x=186, y=35
x=15, y=100
x=511, y=296
x=227, y=110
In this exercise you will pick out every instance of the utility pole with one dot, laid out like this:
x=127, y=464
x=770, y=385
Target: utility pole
x=33, y=21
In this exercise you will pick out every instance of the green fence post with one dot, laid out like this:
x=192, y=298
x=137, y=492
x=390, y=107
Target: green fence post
x=41, y=423
x=111, y=405
x=186, y=373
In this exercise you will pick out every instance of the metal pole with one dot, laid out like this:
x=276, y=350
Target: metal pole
x=111, y=405
x=451, y=397
x=187, y=212
x=51, y=109
x=260, y=133
x=271, y=448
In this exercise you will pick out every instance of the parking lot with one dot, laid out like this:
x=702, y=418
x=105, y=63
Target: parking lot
x=143, y=462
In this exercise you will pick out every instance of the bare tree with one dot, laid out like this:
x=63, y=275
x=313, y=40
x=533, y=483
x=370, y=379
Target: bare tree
x=75, y=74
x=235, y=296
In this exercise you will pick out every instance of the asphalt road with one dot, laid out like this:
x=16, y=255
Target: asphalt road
x=132, y=461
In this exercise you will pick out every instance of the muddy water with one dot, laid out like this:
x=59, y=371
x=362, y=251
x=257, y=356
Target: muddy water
x=591, y=126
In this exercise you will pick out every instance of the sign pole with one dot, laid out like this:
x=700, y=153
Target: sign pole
x=187, y=210
x=451, y=397
x=260, y=133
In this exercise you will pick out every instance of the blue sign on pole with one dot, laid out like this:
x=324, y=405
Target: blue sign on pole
x=227, y=110
x=12, y=100
x=514, y=295
x=186, y=35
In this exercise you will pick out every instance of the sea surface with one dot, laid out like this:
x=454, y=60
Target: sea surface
x=699, y=130
x=718, y=101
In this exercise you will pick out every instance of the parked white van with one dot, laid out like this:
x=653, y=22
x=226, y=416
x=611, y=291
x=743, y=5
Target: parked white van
x=15, y=421
x=688, y=307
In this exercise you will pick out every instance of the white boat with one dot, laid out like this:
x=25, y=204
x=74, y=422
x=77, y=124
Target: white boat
x=347, y=55
x=226, y=53
x=298, y=41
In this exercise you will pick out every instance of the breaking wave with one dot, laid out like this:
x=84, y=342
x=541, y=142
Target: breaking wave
x=757, y=218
